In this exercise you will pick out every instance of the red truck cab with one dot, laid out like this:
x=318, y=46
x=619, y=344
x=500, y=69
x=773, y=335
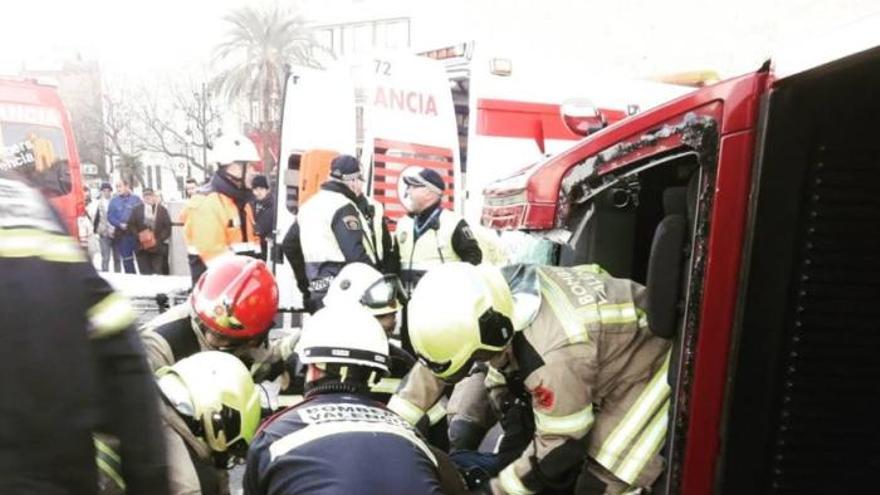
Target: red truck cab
x=36, y=139
x=750, y=209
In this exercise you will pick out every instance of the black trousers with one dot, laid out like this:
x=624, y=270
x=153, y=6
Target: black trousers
x=153, y=262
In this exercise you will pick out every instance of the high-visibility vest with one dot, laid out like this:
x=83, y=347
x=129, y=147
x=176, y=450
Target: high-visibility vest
x=376, y=227
x=212, y=227
x=432, y=248
x=319, y=244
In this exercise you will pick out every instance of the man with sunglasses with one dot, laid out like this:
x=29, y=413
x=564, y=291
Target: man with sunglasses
x=573, y=345
x=231, y=309
x=330, y=232
x=430, y=235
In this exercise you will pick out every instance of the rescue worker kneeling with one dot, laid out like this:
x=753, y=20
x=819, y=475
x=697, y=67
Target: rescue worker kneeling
x=231, y=309
x=339, y=441
x=211, y=411
x=570, y=342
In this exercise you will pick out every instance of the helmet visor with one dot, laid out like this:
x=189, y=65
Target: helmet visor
x=385, y=293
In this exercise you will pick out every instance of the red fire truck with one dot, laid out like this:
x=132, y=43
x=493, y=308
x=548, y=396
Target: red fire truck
x=750, y=209
x=37, y=140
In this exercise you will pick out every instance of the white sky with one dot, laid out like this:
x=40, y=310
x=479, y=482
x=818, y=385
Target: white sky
x=632, y=37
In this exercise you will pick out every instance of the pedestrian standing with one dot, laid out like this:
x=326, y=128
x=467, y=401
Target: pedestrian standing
x=119, y=213
x=152, y=225
x=105, y=230
x=264, y=212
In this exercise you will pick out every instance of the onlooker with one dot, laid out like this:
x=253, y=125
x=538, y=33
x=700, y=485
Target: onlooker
x=152, y=225
x=166, y=266
x=191, y=187
x=105, y=230
x=264, y=212
x=119, y=212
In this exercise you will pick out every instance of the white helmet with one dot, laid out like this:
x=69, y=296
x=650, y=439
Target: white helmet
x=215, y=390
x=231, y=148
x=345, y=334
x=362, y=284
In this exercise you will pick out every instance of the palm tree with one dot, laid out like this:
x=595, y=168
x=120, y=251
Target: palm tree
x=259, y=45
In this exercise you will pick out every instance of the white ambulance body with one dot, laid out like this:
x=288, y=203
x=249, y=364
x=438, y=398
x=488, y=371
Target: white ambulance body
x=390, y=110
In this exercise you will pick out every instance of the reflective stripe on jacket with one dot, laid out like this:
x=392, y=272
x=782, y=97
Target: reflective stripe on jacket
x=212, y=227
x=586, y=318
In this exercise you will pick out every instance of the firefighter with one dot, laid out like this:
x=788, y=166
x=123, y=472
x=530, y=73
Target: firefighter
x=71, y=363
x=330, y=232
x=430, y=235
x=382, y=296
x=231, y=309
x=338, y=440
x=573, y=345
x=211, y=411
x=219, y=218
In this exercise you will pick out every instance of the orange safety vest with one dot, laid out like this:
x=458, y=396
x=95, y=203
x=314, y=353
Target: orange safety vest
x=212, y=226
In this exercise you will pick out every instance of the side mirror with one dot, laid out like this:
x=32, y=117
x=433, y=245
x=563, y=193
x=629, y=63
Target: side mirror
x=582, y=117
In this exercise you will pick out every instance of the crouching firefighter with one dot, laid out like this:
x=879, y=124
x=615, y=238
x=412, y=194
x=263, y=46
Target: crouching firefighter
x=210, y=411
x=231, y=309
x=571, y=342
x=338, y=440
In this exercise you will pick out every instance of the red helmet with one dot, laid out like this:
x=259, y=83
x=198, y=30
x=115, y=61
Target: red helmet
x=236, y=296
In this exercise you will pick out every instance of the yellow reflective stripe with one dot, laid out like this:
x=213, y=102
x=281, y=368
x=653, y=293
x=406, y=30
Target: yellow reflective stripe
x=103, y=447
x=610, y=313
x=110, y=472
x=317, y=431
x=109, y=463
x=651, y=398
x=494, y=378
x=386, y=386
x=645, y=448
x=510, y=482
x=437, y=412
x=113, y=314
x=595, y=269
x=643, y=318
x=405, y=409
x=580, y=421
x=572, y=323
x=34, y=243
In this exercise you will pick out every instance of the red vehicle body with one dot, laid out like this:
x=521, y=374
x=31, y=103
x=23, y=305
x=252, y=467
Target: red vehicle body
x=37, y=139
x=774, y=300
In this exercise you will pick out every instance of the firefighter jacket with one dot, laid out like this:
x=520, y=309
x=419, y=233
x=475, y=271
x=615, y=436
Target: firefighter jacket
x=330, y=232
x=175, y=334
x=219, y=220
x=340, y=443
x=432, y=238
x=191, y=465
x=71, y=363
x=594, y=374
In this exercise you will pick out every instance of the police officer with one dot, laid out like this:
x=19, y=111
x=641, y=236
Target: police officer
x=231, y=309
x=430, y=235
x=572, y=343
x=330, y=232
x=211, y=410
x=71, y=363
x=338, y=440
x=219, y=219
